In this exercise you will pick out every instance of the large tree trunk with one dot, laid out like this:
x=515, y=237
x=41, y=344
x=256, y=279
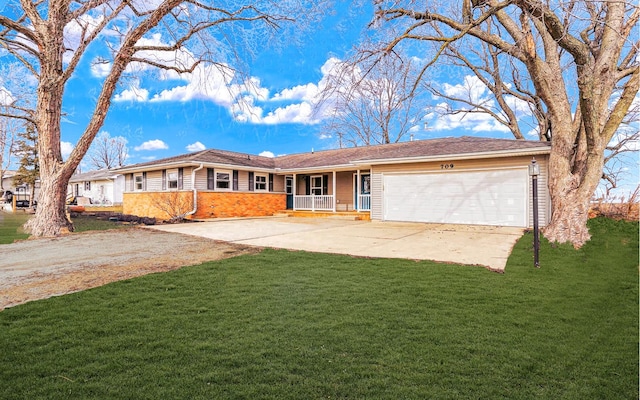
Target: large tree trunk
x=569, y=219
x=51, y=218
x=573, y=179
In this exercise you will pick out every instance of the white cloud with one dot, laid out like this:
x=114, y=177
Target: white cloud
x=325, y=136
x=306, y=92
x=267, y=153
x=294, y=113
x=100, y=68
x=5, y=96
x=134, y=93
x=245, y=111
x=471, y=89
x=197, y=146
x=155, y=144
x=66, y=149
x=76, y=29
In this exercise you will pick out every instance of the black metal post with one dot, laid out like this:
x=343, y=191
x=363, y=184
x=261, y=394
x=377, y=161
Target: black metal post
x=536, y=233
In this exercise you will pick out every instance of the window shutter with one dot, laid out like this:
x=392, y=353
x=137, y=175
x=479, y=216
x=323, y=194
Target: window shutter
x=211, y=182
x=180, y=176
x=131, y=183
x=271, y=182
x=325, y=184
x=251, y=184
x=164, y=179
x=144, y=181
x=235, y=180
x=307, y=181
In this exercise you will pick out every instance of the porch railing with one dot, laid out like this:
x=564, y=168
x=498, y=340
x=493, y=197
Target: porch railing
x=364, y=202
x=313, y=203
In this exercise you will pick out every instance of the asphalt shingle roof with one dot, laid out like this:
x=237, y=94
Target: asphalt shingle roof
x=413, y=149
x=416, y=148
x=93, y=175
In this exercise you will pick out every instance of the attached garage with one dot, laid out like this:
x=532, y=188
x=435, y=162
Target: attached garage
x=480, y=197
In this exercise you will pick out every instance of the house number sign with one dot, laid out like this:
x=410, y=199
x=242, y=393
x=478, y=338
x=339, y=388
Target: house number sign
x=446, y=166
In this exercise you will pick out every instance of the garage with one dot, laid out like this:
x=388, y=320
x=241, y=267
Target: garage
x=483, y=197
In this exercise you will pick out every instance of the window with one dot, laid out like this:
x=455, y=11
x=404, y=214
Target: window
x=316, y=185
x=223, y=180
x=211, y=183
x=261, y=182
x=87, y=185
x=172, y=179
x=139, y=182
x=289, y=184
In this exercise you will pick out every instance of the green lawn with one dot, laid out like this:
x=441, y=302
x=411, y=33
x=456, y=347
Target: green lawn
x=11, y=225
x=295, y=325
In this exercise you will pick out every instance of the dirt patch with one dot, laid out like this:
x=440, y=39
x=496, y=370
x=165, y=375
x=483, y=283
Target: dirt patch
x=40, y=268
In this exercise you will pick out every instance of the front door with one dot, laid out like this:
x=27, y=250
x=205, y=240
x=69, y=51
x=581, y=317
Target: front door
x=288, y=183
x=365, y=187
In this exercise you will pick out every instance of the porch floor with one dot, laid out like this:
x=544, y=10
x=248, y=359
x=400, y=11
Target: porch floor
x=350, y=215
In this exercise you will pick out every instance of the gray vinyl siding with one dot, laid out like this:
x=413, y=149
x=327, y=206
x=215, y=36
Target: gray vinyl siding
x=201, y=179
x=376, y=195
x=544, y=199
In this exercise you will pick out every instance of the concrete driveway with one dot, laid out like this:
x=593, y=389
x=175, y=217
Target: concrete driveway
x=488, y=246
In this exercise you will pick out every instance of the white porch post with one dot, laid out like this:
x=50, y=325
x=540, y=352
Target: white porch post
x=334, y=191
x=357, y=205
x=293, y=191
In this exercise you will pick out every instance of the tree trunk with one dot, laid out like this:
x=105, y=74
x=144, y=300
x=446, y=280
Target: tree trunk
x=569, y=218
x=572, y=181
x=51, y=218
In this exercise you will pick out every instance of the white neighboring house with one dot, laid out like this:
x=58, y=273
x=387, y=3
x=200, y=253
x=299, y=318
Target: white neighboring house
x=20, y=192
x=103, y=187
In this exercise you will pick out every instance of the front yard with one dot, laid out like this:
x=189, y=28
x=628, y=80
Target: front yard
x=296, y=325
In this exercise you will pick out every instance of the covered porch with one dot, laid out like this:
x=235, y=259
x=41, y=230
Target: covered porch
x=333, y=192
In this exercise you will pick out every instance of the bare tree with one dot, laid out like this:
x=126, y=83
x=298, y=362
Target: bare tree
x=574, y=63
x=29, y=169
x=8, y=129
x=51, y=39
x=370, y=103
x=108, y=152
x=13, y=89
x=173, y=205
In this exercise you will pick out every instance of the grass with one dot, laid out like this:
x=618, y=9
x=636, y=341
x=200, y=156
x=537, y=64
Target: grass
x=295, y=325
x=11, y=225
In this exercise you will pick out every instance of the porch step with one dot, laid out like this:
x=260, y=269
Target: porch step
x=348, y=215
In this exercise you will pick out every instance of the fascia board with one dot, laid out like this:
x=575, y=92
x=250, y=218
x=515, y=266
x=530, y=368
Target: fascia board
x=324, y=168
x=177, y=164
x=464, y=156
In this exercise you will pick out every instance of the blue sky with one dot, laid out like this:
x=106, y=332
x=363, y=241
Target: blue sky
x=162, y=115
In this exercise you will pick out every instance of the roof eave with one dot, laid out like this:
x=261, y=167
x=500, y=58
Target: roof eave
x=191, y=163
x=460, y=156
x=321, y=168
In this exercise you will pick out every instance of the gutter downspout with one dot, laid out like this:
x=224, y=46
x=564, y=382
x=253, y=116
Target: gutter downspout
x=195, y=191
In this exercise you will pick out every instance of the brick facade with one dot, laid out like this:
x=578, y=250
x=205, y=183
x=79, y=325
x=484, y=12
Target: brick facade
x=239, y=204
x=210, y=204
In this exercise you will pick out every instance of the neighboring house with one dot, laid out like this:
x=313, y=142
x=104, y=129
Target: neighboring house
x=21, y=192
x=102, y=186
x=466, y=180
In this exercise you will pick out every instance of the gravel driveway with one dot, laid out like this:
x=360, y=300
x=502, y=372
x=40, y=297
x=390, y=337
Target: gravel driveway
x=40, y=268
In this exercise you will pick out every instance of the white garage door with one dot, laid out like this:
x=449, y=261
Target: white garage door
x=478, y=197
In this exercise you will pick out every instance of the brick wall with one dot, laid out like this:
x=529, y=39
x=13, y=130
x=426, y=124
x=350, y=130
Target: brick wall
x=210, y=204
x=239, y=204
x=157, y=204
